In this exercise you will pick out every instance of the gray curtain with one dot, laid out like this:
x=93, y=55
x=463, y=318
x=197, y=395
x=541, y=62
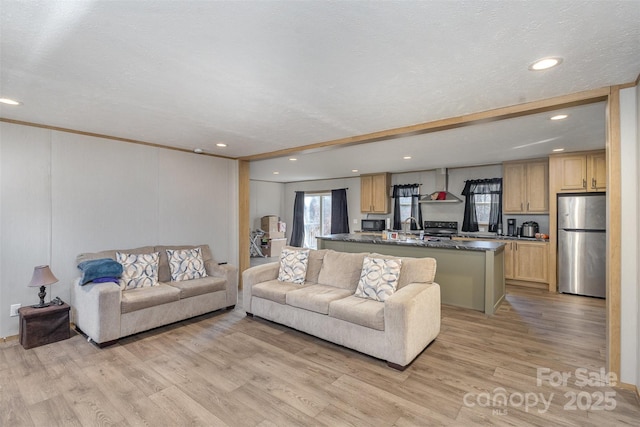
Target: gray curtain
x=339, y=212
x=407, y=190
x=297, y=230
x=492, y=186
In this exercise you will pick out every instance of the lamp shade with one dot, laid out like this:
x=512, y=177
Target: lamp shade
x=42, y=276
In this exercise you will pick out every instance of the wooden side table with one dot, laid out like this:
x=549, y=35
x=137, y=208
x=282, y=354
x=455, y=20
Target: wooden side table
x=39, y=326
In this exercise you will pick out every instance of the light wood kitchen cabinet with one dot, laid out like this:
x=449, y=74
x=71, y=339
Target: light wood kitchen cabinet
x=581, y=172
x=598, y=171
x=525, y=187
x=525, y=261
x=530, y=261
x=374, y=193
x=508, y=258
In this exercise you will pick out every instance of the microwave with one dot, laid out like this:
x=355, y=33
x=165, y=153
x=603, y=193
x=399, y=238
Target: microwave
x=373, y=224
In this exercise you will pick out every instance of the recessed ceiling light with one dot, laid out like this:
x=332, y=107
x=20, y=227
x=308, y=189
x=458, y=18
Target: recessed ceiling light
x=545, y=63
x=221, y=144
x=276, y=173
x=198, y=150
x=354, y=170
x=557, y=150
x=293, y=159
x=9, y=101
x=559, y=117
x=407, y=157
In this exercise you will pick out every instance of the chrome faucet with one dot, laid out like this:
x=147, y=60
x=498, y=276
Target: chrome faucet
x=408, y=222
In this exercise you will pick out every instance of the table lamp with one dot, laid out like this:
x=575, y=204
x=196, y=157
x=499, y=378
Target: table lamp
x=42, y=276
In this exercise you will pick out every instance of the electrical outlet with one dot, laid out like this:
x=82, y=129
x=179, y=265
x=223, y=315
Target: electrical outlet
x=14, y=310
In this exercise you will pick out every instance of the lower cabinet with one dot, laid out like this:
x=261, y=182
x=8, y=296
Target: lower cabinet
x=526, y=262
x=530, y=261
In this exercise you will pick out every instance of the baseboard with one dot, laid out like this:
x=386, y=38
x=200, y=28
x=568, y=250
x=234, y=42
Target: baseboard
x=10, y=338
x=525, y=284
x=631, y=387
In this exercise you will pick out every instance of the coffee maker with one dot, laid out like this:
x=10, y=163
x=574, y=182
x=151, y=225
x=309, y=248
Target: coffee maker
x=511, y=227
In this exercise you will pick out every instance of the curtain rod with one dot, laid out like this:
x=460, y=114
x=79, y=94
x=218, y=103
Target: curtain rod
x=321, y=191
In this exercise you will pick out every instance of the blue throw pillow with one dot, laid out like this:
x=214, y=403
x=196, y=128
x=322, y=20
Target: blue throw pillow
x=99, y=268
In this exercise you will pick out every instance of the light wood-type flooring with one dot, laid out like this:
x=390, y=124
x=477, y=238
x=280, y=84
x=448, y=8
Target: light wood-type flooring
x=227, y=369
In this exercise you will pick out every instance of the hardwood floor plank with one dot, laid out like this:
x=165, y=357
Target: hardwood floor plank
x=53, y=412
x=183, y=410
x=13, y=409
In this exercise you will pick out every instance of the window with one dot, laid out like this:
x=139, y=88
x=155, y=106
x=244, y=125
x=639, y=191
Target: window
x=317, y=218
x=405, y=208
x=483, y=208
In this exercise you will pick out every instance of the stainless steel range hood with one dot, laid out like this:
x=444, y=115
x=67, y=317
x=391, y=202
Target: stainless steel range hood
x=443, y=195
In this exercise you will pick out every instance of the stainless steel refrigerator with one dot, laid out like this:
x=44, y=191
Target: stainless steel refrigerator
x=582, y=231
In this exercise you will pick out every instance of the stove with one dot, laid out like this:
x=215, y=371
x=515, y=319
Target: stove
x=441, y=229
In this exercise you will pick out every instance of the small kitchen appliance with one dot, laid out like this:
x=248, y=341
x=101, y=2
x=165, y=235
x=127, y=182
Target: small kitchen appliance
x=529, y=229
x=511, y=227
x=373, y=224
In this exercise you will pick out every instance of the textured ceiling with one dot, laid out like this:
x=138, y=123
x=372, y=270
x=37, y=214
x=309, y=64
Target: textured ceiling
x=263, y=76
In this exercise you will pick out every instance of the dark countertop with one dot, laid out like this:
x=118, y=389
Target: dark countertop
x=496, y=237
x=480, y=245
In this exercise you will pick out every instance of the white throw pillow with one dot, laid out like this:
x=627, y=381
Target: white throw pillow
x=379, y=278
x=138, y=270
x=186, y=264
x=293, y=265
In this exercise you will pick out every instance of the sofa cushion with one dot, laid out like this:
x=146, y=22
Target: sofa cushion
x=341, y=269
x=293, y=265
x=361, y=311
x=414, y=270
x=316, y=297
x=139, y=298
x=186, y=264
x=138, y=270
x=379, y=278
x=164, y=272
x=273, y=290
x=195, y=287
x=314, y=264
x=112, y=253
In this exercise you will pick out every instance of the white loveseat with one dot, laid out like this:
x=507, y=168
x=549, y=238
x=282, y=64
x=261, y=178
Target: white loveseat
x=396, y=330
x=105, y=313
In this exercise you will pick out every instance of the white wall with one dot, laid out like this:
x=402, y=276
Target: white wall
x=638, y=236
x=629, y=303
x=63, y=194
x=266, y=198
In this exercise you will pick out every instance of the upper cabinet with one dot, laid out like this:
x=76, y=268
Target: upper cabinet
x=374, y=193
x=525, y=187
x=580, y=172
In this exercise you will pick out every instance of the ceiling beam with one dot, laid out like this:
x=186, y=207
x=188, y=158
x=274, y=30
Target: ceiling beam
x=565, y=101
x=103, y=136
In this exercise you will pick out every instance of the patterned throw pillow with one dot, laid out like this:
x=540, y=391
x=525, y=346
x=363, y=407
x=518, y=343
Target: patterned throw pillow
x=138, y=270
x=186, y=264
x=293, y=265
x=379, y=278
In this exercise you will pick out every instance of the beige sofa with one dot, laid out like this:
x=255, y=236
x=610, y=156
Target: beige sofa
x=395, y=330
x=105, y=313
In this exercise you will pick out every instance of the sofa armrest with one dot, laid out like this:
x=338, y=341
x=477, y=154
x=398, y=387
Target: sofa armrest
x=254, y=275
x=230, y=273
x=412, y=321
x=96, y=310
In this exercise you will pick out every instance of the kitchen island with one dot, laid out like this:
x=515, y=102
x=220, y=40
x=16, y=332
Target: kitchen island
x=470, y=273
